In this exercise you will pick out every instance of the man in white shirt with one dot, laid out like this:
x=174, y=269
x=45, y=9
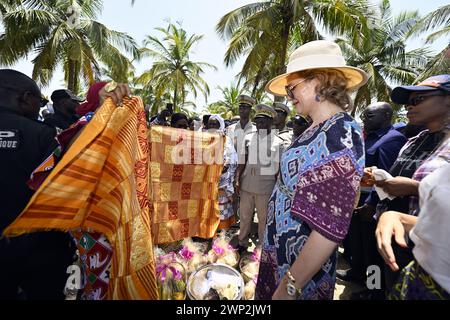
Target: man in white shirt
x=237, y=133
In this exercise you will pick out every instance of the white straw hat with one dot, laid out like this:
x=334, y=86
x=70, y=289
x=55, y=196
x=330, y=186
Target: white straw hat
x=320, y=54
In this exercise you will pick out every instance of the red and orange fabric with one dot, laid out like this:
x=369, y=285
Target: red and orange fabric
x=185, y=171
x=102, y=184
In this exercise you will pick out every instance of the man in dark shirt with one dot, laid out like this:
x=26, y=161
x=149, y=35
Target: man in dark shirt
x=36, y=263
x=65, y=104
x=382, y=146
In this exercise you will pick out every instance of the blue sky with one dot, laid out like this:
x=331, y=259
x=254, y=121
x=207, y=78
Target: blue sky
x=200, y=17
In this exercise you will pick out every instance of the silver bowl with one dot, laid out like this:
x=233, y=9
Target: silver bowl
x=201, y=281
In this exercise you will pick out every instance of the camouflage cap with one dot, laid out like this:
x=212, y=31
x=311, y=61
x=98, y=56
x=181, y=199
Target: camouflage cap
x=244, y=99
x=281, y=107
x=263, y=110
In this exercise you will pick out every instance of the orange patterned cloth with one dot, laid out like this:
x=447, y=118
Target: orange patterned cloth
x=185, y=171
x=102, y=184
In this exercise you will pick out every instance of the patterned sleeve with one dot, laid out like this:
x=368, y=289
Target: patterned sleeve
x=328, y=190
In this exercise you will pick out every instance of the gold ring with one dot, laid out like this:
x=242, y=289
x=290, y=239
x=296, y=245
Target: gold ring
x=111, y=86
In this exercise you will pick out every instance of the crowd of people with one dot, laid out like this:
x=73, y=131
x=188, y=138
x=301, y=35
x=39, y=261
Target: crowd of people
x=316, y=181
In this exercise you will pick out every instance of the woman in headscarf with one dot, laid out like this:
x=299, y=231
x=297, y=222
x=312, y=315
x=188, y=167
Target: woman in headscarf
x=94, y=250
x=216, y=124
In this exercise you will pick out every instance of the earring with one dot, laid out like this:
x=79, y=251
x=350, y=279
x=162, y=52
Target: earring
x=318, y=98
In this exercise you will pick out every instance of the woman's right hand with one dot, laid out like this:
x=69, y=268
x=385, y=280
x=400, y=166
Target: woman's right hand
x=368, y=180
x=122, y=90
x=390, y=225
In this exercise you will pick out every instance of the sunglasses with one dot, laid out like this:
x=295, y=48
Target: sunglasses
x=290, y=88
x=420, y=98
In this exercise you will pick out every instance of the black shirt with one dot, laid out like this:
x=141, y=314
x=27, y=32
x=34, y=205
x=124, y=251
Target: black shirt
x=24, y=145
x=60, y=120
x=420, y=148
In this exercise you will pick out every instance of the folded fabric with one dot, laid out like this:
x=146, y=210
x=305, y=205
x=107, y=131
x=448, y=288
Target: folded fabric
x=185, y=171
x=102, y=184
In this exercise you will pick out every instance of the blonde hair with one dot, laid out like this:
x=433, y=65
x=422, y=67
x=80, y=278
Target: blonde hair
x=332, y=86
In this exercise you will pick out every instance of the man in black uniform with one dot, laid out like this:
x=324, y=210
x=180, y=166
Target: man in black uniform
x=34, y=264
x=65, y=104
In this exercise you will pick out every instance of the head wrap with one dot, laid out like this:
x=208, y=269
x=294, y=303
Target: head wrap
x=92, y=100
x=221, y=122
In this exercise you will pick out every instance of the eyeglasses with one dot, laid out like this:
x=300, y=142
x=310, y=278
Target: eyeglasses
x=290, y=88
x=419, y=99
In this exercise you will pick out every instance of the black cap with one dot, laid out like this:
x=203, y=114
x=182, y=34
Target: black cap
x=441, y=82
x=64, y=94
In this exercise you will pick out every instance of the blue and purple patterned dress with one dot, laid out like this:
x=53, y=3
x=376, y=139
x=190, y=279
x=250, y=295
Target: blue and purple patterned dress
x=317, y=189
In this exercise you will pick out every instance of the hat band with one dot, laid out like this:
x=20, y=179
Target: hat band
x=317, y=61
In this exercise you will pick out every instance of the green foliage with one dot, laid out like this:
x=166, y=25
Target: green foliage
x=54, y=36
x=172, y=71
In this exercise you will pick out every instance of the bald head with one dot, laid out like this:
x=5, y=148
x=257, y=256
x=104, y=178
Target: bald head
x=19, y=92
x=377, y=116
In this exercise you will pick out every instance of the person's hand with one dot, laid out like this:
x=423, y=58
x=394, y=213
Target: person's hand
x=117, y=95
x=399, y=186
x=368, y=180
x=366, y=212
x=281, y=292
x=390, y=225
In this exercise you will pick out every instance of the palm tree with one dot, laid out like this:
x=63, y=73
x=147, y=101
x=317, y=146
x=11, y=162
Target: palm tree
x=228, y=106
x=172, y=69
x=440, y=20
x=266, y=32
x=383, y=55
x=63, y=32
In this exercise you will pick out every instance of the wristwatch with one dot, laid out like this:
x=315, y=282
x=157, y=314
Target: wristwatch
x=111, y=86
x=291, y=289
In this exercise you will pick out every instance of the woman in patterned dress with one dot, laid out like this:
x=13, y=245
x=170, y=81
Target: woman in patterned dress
x=226, y=188
x=310, y=209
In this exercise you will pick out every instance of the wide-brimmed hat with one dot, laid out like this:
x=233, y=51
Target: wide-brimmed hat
x=441, y=82
x=320, y=54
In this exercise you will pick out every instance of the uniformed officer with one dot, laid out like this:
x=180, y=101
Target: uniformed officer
x=65, y=104
x=279, y=123
x=237, y=133
x=239, y=130
x=35, y=263
x=257, y=177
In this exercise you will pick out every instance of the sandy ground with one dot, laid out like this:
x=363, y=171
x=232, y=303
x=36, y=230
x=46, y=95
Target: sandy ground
x=343, y=289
